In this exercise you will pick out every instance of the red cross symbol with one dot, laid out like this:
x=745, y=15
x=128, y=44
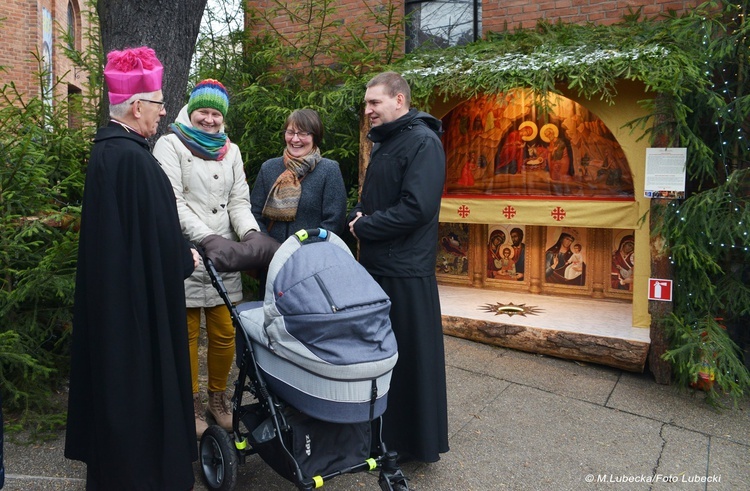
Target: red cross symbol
x=509, y=212
x=558, y=214
x=463, y=211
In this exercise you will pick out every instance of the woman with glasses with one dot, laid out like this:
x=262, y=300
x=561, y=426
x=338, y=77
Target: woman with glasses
x=301, y=189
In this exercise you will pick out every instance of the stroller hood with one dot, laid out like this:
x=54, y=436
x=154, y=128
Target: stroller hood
x=324, y=312
x=323, y=336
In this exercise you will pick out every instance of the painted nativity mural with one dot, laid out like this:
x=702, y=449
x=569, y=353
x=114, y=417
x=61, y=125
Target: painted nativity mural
x=514, y=145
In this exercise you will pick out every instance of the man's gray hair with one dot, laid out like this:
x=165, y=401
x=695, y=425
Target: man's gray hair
x=118, y=111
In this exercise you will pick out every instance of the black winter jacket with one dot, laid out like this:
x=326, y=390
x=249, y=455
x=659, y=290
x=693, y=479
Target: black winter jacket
x=401, y=197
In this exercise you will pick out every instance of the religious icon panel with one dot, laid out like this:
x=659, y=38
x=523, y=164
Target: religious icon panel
x=453, y=249
x=623, y=260
x=565, y=255
x=506, y=253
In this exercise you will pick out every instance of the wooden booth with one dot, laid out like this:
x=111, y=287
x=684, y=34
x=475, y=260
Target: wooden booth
x=544, y=234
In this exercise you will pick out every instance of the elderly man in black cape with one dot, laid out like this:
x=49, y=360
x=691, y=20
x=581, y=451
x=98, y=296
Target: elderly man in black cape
x=130, y=411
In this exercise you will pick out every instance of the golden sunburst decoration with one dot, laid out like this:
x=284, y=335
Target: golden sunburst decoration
x=511, y=309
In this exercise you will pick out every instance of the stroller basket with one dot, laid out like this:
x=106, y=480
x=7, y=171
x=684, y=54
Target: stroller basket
x=310, y=442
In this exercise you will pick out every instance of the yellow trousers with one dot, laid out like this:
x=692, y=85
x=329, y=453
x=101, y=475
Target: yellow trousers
x=220, y=334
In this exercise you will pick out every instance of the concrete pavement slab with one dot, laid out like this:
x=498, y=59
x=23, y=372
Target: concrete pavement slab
x=567, y=378
x=40, y=466
x=638, y=394
x=729, y=462
x=582, y=381
x=519, y=421
x=474, y=357
x=685, y=452
x=539, y=440
x=469, y=395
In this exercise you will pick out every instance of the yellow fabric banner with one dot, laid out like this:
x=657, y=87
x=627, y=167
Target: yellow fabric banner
x=554, y=212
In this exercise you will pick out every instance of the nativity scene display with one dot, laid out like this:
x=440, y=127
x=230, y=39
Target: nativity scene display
x=506, y=144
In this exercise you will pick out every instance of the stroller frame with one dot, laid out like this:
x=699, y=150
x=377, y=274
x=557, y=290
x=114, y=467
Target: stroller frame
x=220, y=453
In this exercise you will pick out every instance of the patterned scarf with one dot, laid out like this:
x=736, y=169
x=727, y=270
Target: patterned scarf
x=283, y=198
x=207, y=146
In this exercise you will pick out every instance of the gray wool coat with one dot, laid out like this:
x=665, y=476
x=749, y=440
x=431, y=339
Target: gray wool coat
x=322, y=204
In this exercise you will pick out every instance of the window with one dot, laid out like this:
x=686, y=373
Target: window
x=442, y=23
x=72, y=41
x=74, y=101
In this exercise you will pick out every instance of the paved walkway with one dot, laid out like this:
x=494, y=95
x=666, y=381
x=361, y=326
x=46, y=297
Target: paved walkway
x=520, y=421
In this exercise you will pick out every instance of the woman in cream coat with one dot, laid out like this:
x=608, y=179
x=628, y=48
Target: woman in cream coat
x=210, y=186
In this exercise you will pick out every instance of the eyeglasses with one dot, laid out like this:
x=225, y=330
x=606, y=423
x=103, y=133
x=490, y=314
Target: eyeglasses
x=301, y=134
x=160, y=103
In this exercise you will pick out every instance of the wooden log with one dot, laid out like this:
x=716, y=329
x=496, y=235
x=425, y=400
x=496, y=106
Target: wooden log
x=661, y=266
x=624, y=354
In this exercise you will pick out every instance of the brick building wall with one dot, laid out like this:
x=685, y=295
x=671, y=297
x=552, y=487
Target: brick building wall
x=497, y=14
x=526, y=13
x=347, y=12
x=356, y=15
x=21, y=37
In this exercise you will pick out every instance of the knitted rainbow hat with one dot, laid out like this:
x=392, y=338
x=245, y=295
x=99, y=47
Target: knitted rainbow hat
x=132, y=71
x=209, y=93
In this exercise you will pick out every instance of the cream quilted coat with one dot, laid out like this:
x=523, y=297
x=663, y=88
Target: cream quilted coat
x=212, y=198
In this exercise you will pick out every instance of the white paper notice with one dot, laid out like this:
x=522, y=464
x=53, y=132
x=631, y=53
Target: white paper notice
x=665, y=172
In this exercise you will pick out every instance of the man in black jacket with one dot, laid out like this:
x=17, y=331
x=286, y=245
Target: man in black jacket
x=396, y=223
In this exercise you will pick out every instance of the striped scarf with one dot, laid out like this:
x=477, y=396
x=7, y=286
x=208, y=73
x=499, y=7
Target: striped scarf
x=285, y=193
x=207, y=146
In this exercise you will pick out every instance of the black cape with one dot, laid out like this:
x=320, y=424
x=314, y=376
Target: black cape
x=130, y=411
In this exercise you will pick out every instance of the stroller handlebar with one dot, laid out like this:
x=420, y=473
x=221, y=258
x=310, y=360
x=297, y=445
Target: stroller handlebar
x=304, y=234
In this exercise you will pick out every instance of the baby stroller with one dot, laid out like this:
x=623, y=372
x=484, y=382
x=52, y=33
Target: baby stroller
x=315, y=360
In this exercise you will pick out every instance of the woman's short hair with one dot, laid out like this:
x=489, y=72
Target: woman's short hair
x=306, y=120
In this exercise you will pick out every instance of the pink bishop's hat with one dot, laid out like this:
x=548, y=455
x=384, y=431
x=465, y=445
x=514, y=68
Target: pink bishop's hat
x=132, y=71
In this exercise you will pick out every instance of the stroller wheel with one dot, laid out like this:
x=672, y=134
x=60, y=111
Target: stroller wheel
x=391, y=478
x=393, y=481
x=218, y=459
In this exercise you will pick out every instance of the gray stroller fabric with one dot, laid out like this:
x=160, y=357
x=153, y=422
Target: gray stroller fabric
x=323, y=334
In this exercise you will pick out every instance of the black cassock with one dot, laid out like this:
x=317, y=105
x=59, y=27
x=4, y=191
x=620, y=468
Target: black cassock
x=398, y=245
x=130, y=414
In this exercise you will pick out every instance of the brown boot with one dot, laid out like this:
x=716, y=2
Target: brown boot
x=218, y=406
x=200, y=415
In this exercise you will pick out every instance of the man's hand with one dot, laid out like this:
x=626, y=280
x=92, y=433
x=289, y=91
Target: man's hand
x=351, y=224
x=196, y=257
